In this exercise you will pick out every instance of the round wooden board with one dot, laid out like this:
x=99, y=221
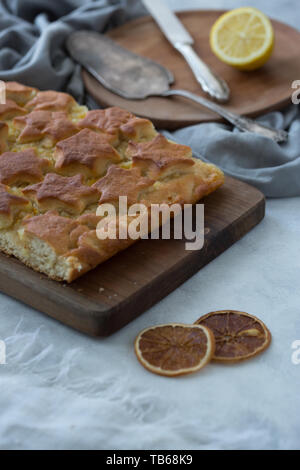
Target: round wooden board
x=252, y=93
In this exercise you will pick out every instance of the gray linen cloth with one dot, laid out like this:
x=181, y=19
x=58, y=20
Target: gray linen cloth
x=32, y=51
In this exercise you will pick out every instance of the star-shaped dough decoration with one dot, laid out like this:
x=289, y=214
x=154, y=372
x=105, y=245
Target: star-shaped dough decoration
x=65, y=236
x=138, y=129
x=8, y=199
x=61, y=233
x=58, y=192
x=86, y=152
x=11, y=109
x=23, y=167
x=106, y=121
x=19, y=93
x=120, y=182
x=160, y=157
x=10, y=206
x=40, y=124
x=51, y=101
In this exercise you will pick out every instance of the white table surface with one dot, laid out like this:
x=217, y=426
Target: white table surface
x=62, y=390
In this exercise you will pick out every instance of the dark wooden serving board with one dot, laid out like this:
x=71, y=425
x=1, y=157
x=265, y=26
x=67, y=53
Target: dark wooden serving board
x=252, y=93
x=109, y=297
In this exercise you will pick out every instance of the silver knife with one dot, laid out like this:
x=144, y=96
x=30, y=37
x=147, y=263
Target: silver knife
x=180, y=38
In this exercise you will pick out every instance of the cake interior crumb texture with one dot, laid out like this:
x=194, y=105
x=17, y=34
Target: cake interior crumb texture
x=59, y=161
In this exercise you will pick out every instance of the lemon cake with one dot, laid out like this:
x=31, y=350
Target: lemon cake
x=59, y=161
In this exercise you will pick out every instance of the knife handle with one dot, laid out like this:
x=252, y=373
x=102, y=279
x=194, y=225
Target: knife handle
x=216, y=87
x=241, y=122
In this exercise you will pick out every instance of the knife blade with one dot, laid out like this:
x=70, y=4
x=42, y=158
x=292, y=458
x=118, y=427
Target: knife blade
x=181, y=39
x=168, y=22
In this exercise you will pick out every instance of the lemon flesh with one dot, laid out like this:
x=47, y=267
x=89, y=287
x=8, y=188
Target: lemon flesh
x=243, y=38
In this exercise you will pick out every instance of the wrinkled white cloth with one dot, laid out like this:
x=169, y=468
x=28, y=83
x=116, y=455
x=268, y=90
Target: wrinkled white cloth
x=63, y=390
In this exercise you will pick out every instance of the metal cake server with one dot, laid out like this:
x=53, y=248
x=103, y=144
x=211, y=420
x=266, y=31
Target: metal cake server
x=181, y=39
x=134, y=77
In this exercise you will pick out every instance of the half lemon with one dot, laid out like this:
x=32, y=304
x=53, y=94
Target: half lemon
x=243, y=38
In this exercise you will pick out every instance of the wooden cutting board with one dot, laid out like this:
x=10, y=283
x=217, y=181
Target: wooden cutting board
x=252, y=93
x=109, y=297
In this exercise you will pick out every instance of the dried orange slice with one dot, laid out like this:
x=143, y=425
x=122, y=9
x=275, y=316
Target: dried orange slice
x=175, y=349
x=238, y=335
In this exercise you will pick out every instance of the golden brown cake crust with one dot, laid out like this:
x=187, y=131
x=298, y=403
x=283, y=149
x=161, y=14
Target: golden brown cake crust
x=19, y=93
x=108, y=121
x=90, y=219
x=137, y=128
x=155, y=157
x=85, y=149
x=3, y=136
x=39, y=124
x=115, y=124
x=51, y=101
x=58, y=162
x=8, y=200
x=121, y=182
x=68, y=192
x=10, y=109
x=21, y=167
x=54, y=229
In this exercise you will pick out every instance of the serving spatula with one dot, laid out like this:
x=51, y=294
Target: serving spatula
x=135, y=78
